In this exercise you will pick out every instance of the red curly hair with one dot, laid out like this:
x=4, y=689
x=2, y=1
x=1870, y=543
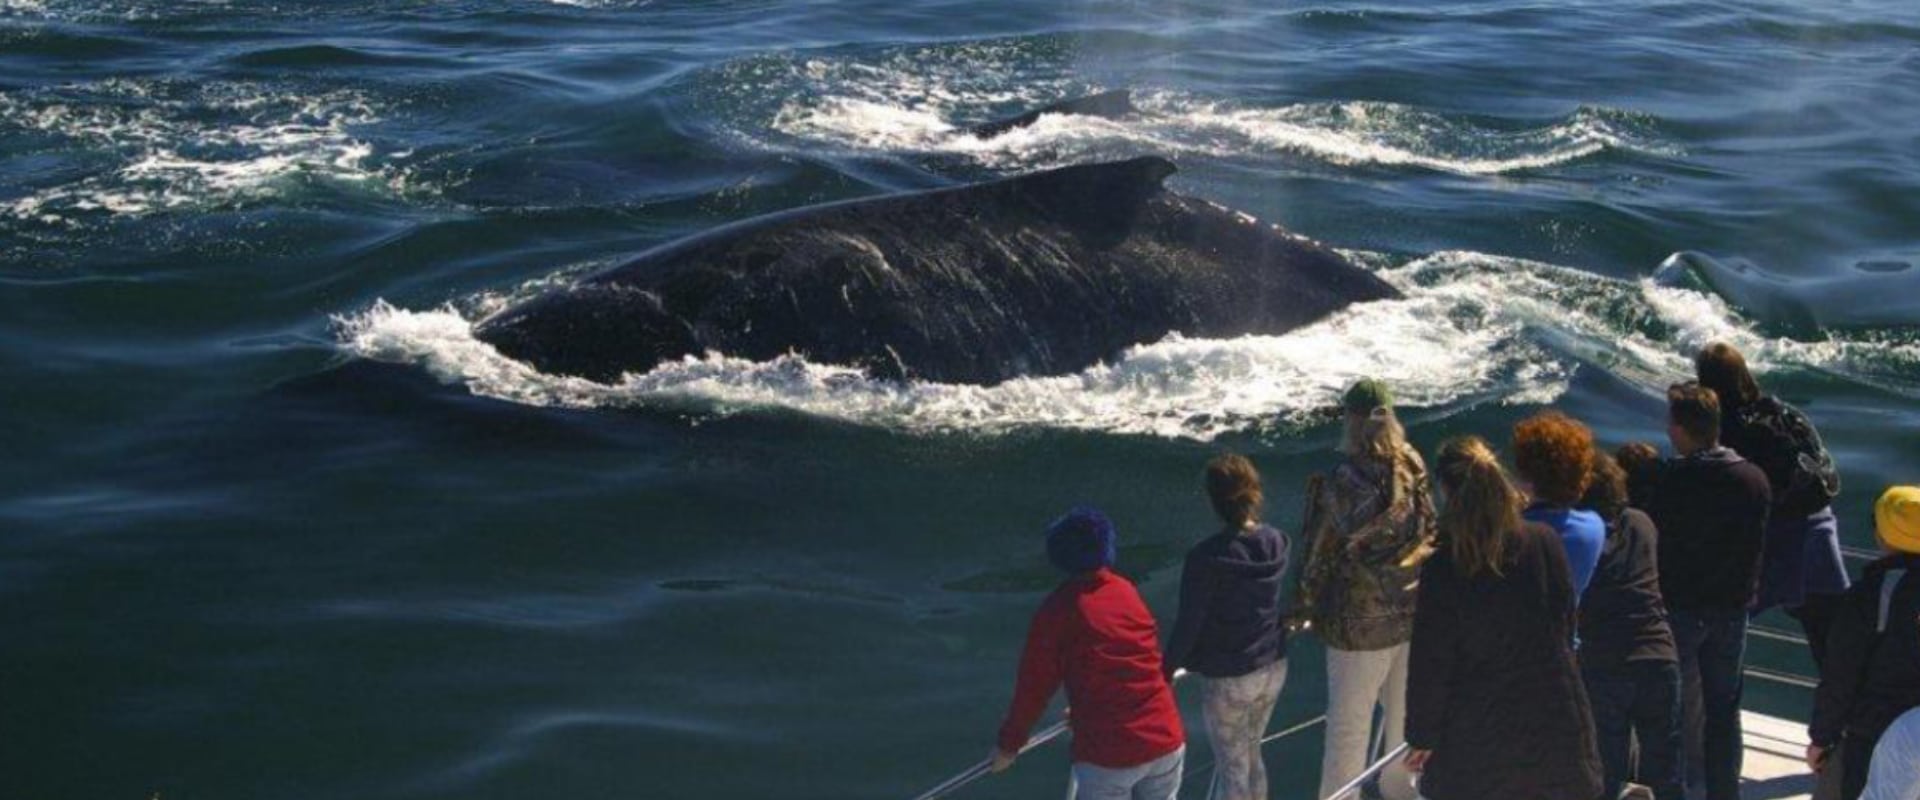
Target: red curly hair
x=1554, y=453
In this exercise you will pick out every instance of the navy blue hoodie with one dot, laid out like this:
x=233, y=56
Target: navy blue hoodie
x=1230, y=622
x=1711, y=510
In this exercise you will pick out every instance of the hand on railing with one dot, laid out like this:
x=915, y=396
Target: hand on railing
x=1816, y=758
x=1417, y=759
x=1001, y=760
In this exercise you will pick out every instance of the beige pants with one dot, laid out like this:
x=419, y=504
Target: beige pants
x=1358, y=681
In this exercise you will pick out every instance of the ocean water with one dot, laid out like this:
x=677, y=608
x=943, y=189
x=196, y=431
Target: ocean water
x=274, y=524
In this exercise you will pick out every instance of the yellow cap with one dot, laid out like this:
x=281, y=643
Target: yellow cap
x=1896, y=519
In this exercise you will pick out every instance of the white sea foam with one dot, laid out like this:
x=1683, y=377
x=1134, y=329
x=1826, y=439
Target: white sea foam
x=161, y=145
x=1472, y=328
x=924, y=103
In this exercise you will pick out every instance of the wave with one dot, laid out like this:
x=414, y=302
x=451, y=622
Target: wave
x=1472, y=328
x=922, y=102
x=134, y=147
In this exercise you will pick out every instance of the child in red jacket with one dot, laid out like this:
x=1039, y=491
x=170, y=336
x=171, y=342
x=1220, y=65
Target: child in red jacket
x=1095, y=635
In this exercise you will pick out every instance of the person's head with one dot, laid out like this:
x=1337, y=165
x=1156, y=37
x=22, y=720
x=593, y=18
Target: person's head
x=1554, y=454
x=1082, y=540
x=1641, y=461
x=1693, y=417
x=1233, y=485
x=1607, y=492
x=1372, y=431
x=1480, y=508
x=1721, y=367
x=1896, y=520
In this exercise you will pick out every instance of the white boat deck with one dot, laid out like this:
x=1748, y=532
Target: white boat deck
x=1775, y=766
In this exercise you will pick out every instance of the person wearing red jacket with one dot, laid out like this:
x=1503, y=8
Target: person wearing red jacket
x=1094, y=635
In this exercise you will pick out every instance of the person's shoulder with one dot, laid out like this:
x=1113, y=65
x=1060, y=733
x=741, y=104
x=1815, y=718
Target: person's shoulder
x=1752, y=475
x=1270, y=534
x=1634, y=519
x=1537, y=537
x=1588, y=520
x=1533, y=533
x=1273, y=541
x=1410, y=456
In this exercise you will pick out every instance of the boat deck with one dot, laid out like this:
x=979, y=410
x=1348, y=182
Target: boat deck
x=1775, y=767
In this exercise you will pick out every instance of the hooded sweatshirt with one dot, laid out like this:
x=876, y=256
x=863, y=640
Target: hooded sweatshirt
x=1230, y=619
x=1711, y=510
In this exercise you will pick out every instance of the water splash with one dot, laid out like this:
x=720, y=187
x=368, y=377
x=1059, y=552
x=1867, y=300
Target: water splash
x=1472, y=328
x=923, y=102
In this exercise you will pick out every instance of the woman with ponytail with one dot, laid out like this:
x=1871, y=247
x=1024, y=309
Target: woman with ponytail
x=1229, y=631
x=1495, y=707
x=1370, y=523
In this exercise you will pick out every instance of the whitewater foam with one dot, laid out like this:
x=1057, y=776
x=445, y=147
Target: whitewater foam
x=1472, y=328
x=923, y=102
x=153, y=146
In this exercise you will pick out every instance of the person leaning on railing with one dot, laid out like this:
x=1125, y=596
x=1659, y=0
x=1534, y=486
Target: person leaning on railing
x=1229, y=630
x=1094, y=635
x=1369, y=524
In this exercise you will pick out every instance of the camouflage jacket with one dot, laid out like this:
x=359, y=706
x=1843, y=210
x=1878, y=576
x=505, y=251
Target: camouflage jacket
x=1369, y=526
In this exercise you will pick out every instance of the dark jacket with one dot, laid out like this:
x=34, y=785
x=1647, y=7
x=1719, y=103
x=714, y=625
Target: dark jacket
x=1768, y=432
x=1492, y=688
x=1872, y=672
x=1711, y=510
x=1230, y=621
x=1622, y=617
x=1802, y=554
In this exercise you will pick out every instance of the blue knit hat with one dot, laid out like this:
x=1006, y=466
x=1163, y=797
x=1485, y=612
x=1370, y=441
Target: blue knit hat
x=1082, y=540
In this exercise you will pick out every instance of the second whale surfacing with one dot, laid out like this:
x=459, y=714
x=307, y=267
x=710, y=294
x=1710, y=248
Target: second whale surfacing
x=1042, y=274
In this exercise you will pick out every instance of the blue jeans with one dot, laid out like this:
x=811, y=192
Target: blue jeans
x=1714, y=644
x=1643, y=698
x=1158, y=779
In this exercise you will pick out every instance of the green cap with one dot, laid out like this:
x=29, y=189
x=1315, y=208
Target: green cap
x=1366, y=395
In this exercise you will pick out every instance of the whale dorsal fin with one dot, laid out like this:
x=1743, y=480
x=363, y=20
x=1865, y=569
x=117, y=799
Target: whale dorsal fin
x=1100, y=200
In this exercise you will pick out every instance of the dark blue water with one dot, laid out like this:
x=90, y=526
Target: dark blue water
x=273, y=524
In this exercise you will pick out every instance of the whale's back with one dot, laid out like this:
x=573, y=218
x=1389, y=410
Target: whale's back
x=1044, y=274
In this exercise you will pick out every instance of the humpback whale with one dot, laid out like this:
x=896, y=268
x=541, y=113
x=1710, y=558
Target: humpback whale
x=1109, y=104
x=1874, y=293
x=1041, y=274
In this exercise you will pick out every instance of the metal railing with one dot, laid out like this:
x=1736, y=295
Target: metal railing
x=1051, y=732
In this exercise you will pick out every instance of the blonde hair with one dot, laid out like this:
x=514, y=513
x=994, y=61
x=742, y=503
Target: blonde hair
x=1374, y=435
x=1233, y=486
x=1482, y=509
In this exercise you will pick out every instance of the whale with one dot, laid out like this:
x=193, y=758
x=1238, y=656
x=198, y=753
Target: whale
x=1047, y=273
x=1872, y=293
x=1112, y=104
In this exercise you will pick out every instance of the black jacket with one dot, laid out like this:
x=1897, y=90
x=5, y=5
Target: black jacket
x=1711, y=509
x=1872, y=671
x=1492, y=688
x=1622, y=617
x=1230, y=620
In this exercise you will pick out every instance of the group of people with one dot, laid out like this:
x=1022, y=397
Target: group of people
x=1521, y=634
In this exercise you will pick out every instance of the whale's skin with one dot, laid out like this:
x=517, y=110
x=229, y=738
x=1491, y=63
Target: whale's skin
x=1112, y=104
x=1872, y=294
x=1043, y=274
